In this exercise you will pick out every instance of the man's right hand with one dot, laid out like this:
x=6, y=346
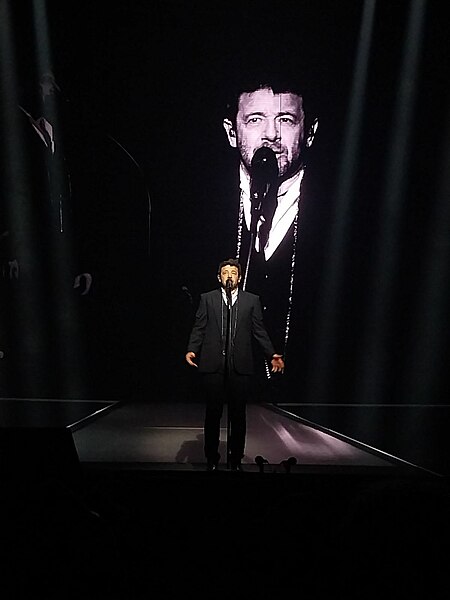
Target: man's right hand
x=10, y=269
x=189, y=359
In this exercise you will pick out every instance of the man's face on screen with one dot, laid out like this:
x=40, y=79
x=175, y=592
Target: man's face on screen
x=272, y=120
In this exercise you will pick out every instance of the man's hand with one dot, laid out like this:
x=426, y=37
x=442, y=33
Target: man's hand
x=10, y=269
x=87, y=278
x=277, y=363
x=189, y=359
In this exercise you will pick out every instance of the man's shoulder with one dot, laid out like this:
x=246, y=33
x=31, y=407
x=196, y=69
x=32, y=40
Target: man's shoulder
x=210, y=294
x=248, y=296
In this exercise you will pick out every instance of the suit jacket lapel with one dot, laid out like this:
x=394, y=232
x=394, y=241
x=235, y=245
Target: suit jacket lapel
x=217, y=305
x=242, y=303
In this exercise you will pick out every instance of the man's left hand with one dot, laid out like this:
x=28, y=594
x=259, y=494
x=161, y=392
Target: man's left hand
x=277, y=363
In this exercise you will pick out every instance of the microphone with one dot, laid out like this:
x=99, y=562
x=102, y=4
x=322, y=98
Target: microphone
x=263, y=173
x=261, y=461
x=228, y=286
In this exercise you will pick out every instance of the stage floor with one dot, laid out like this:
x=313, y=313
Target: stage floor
x=170, y=435
x=417, y=434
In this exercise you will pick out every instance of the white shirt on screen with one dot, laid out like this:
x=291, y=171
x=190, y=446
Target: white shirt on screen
x=286, y=210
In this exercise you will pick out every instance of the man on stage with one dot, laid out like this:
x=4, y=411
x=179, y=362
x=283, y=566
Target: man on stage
x=234, y=316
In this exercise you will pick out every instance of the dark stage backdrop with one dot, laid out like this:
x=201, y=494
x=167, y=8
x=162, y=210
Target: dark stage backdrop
x=155, y=77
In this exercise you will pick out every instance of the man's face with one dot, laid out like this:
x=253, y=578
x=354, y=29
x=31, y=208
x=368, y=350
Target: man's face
x=229, y=272
x=268, y=119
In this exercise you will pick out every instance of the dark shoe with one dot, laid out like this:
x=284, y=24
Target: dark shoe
x=236, y=466
x=213, y=463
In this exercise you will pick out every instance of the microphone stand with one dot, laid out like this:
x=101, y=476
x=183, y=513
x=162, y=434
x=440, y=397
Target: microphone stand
x=256, y=212
x=228, y=338
x=263, y=174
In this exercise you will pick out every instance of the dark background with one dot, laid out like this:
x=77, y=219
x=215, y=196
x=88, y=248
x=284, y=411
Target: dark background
x=156, y=76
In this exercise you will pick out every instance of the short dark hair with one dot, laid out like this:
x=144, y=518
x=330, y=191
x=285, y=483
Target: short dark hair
x=233, y=262
x=278, y=81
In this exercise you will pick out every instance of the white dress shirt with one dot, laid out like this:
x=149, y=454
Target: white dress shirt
x=285, y=212
x=234, y=295
x=43, y=128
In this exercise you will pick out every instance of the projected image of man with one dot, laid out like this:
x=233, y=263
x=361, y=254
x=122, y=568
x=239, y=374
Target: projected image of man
x=270, y=116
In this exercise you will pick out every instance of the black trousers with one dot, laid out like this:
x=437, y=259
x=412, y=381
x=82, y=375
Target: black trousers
x=234, y=391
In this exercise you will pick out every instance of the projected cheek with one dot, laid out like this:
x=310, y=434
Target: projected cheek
x=247, y=148
x=290, y=152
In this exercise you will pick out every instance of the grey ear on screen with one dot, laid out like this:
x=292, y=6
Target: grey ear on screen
x=312, y=133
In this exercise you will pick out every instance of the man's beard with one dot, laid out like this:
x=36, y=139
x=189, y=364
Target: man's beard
x=293, y=168
x=286, y=168
x=233, y=286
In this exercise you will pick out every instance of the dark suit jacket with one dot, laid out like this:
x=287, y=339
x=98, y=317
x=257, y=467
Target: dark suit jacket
x=206, y=338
